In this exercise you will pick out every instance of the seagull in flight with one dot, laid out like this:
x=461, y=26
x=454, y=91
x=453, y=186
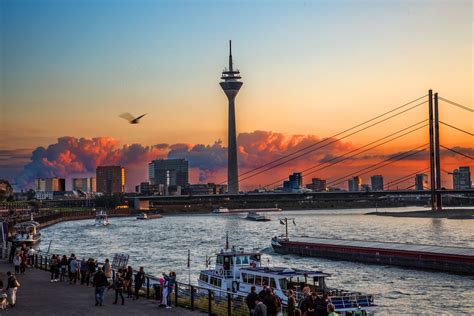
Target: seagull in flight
x=129, y=117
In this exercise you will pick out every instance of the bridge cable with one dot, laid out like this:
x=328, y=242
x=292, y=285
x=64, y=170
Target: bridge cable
x=456, y=152
x=405, y=178
x=457, y=128
x=457, y=104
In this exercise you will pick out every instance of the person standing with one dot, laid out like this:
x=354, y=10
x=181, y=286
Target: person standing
x=12, y=287
x=251, y=299
x=74, y=266
x=99, y=282
x=139, y=281
x=69, y=273
x=291, y=303
x=31, y=256
x=170, y=284
x=17, y=263
x=332, y=310
x=90, y=270
x=53, y=265
x=107, y=269
x=63, y=264
x=24, y=258
x=12, y=252
x=118, y=286
x=128, y=281
x=260, y=308
x=84, y=270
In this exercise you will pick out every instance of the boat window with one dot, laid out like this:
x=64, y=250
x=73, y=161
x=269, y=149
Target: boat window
x=238, y=260
x=258, y=280
x=219, y=282
x=272, y=283
x=244, y=277
x=219, y=259
x=265, y=281
x=245, y=260
x=283, y=284
x=250, y=278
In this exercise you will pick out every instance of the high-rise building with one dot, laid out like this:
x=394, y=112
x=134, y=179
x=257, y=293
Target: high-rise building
x=169, y=172
x=110, y=179
x=421, y=181
x=317, y=185
x=376, y=182
x=462, y=178
x=231, y=85
x=50, y=185
x=294, y=182
x=84, y=184
x=354, y=184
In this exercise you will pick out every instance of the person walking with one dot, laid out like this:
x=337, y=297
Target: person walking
x=99, y=282
x=118, y=286
x=63, y=266
x=251, y=299
x=17, y=263
x=12, y=287
x=128, y=280
x=74, y=266
x=139, y=281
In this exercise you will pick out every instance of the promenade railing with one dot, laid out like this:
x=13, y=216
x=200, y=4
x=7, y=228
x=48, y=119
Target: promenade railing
x=189, y=296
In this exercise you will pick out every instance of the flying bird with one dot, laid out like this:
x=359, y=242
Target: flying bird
x=129, y=117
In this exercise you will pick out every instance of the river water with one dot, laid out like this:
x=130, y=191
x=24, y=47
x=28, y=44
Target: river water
x=161, y=245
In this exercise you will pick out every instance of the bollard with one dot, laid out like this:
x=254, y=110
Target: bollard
x=36, y=260
x=176, y=294
x=229, y=304
x=147, y=287
x=192, y=297
x=41, y=262
x=209, y=305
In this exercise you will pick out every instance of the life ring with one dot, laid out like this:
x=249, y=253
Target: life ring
x=221, y=271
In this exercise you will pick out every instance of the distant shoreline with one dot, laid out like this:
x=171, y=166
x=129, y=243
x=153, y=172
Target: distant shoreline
x=447, y=213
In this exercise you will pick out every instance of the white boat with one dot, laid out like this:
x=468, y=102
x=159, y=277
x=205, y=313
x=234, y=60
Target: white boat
x=142, y=216
x=254, y=216
x=237, y=271
x=27, y=233
x=101, y=219
x=220, y=210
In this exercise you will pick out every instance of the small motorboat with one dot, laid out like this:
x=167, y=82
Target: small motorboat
x=101, y=219
x=220, y=210
x=27, y=233
x=142, y=216
x=254, y=216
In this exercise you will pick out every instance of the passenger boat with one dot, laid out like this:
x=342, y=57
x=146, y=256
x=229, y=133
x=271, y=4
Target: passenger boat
x=220, y=210
x=142, y=216
x=237, y=270
x=254, y=216
x=101, y=219
x=27, y=233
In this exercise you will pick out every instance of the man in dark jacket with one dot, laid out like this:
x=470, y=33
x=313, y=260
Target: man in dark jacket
x=260, y=308
x=251, y=299
x=270, y=302
x=100, y=282
x=139, y=281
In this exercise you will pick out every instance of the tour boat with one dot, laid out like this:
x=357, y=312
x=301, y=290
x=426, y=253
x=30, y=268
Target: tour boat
x=142, y=216
x=237, y=270
x=220, y=210
x=101, y=219
x=27, y=233
x=254, y=216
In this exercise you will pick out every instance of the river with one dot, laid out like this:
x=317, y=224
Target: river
x=161, y=245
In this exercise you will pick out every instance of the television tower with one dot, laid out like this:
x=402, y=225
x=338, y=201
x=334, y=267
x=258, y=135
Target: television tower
x=231, y=85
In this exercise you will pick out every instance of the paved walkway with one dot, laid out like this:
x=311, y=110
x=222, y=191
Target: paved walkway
x=38, y=296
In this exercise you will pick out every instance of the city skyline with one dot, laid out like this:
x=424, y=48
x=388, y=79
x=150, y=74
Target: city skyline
x=79, y=89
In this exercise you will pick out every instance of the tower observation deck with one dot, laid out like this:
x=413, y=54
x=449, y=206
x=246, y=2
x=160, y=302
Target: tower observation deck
x=231, y=85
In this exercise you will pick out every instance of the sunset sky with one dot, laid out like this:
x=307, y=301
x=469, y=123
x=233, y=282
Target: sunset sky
x=310, y=69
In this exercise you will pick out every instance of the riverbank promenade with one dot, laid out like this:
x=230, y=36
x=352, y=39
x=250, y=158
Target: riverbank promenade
x=38, y=296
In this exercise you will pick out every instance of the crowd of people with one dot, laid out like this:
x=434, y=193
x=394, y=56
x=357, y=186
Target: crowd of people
x=267, y=303
x=125, y=281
